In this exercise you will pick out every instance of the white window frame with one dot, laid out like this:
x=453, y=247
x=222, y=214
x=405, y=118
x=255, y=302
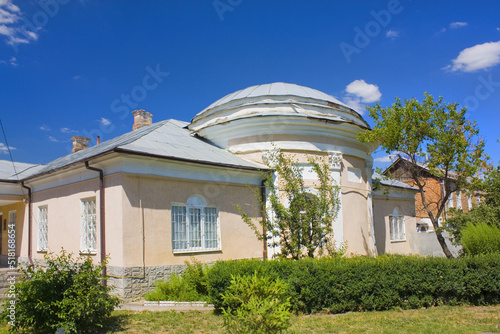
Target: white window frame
x=459, y=200
x=88, y=222
x=397, y=227
x=183, y=226
x=43, y=220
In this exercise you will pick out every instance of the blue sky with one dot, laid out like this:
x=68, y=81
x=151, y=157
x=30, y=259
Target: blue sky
x=81, y=67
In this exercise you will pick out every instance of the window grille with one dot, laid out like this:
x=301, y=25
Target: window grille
x=42, y=228
x=88, y=242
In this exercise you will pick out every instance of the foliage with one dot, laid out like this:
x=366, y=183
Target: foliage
x=433, y=134
x=488, y=211
x=481, y=238
x=191, y=286
x=296, y=220
x=256, y=304
x=66, y=293
x=363, y=283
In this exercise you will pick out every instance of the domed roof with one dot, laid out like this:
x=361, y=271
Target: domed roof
x=275, y=89
x=277, y=99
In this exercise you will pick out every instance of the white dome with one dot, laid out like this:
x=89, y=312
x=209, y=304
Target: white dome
x=273, y=99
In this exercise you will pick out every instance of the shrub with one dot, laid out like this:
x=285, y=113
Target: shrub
x=364, y=284
x=256, y=304
x=192, y=285
x=67, y=293
x=481, y=238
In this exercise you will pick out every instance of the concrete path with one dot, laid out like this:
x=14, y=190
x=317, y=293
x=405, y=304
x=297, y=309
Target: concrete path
x=139, y=306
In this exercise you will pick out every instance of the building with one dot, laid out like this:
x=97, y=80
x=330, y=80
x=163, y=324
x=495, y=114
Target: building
x=166, y=191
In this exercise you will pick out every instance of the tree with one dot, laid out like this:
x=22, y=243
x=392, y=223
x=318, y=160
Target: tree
x=487, y=212
x=436, y=135
x=295, y=218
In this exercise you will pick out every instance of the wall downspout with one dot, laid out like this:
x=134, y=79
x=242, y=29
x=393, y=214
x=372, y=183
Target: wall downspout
x=30, y=219
x=101, y=217
x=263, y=215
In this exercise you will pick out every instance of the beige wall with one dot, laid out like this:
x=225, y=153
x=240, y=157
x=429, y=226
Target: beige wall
x=64, y=210
x=148, y=201
x=384, y=205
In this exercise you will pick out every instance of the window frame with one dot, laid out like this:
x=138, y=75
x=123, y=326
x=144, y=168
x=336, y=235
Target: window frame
x=86, y=246
x=43, y=228
x=397, y=229
x=195, y=205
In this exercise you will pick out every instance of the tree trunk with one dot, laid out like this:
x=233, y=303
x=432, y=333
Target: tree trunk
x=443, y=244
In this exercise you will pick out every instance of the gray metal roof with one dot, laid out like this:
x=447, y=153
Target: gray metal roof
x=385, y=181
x=18, y=170
x=275, y=89
x=168, y=139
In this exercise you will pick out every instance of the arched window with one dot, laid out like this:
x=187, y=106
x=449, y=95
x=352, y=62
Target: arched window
x=397, y=226
x=195, y=226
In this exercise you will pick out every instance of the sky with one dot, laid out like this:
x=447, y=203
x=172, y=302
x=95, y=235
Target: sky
x=80, y=67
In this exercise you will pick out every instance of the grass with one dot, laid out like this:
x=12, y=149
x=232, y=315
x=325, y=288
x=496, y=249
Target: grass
x=445, y=319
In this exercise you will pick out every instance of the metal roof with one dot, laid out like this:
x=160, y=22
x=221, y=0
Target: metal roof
x=275, y=89
x=18, y=170
x=385, y=181
x=168, y=139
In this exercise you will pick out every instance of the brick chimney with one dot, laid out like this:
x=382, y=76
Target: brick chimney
x=141, y=118
x=79, y=143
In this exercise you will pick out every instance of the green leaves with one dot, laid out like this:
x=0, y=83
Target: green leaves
x=65, y=293
x=297, y=219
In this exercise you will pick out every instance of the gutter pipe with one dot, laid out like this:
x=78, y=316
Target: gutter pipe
x=30, y=218
x=101, y=217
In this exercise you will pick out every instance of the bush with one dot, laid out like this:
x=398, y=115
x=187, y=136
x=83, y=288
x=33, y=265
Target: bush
x=364, y=284
x=192, y=285
x=67, y=293
x=480, y=239
x=256, y=304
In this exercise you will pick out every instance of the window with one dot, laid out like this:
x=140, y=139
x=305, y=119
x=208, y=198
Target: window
x=354, y=174
x=42, y=228
x=459, y=200
x=450, y=201
x=88, y=240
x=469, y=201
x=397, y=226
x=195, y=227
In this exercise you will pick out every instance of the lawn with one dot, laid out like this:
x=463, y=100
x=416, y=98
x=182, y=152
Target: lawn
x=446, y=319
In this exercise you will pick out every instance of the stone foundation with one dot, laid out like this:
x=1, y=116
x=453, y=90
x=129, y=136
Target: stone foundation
x=133, y=282
x=130, y=283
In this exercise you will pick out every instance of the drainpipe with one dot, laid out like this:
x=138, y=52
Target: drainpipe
x=263, y=215
x=30, y=218
x=101, y=217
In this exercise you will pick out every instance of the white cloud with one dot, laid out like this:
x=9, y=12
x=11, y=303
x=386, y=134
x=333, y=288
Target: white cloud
x=68, y=130
x=366, y=92
x=4, y=149
x=104, y=121
x=52, y=139
x=387, y=158
x=44, y=127
x=455, y=25
x=477, y=57
x=498, y=29
x=10, y=15
x=360, y=92
x=392, y=34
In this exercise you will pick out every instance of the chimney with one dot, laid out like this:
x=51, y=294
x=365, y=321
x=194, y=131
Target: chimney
x=79, y=143
x=141, y=118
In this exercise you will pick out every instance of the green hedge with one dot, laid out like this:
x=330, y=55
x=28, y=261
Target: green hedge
x=363, y=284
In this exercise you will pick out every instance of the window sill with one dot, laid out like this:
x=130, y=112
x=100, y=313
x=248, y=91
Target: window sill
x=88, y=252
x=192, y=251
x=42, y=251
x=397, y=241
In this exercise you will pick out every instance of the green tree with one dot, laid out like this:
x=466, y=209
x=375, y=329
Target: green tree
x=296, y=219
x=435, y=134
x=487, y=212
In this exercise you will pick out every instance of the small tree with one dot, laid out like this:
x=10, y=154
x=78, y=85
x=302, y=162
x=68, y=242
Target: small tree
x=66, y=293
x=437, y=135
x=297, y=220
